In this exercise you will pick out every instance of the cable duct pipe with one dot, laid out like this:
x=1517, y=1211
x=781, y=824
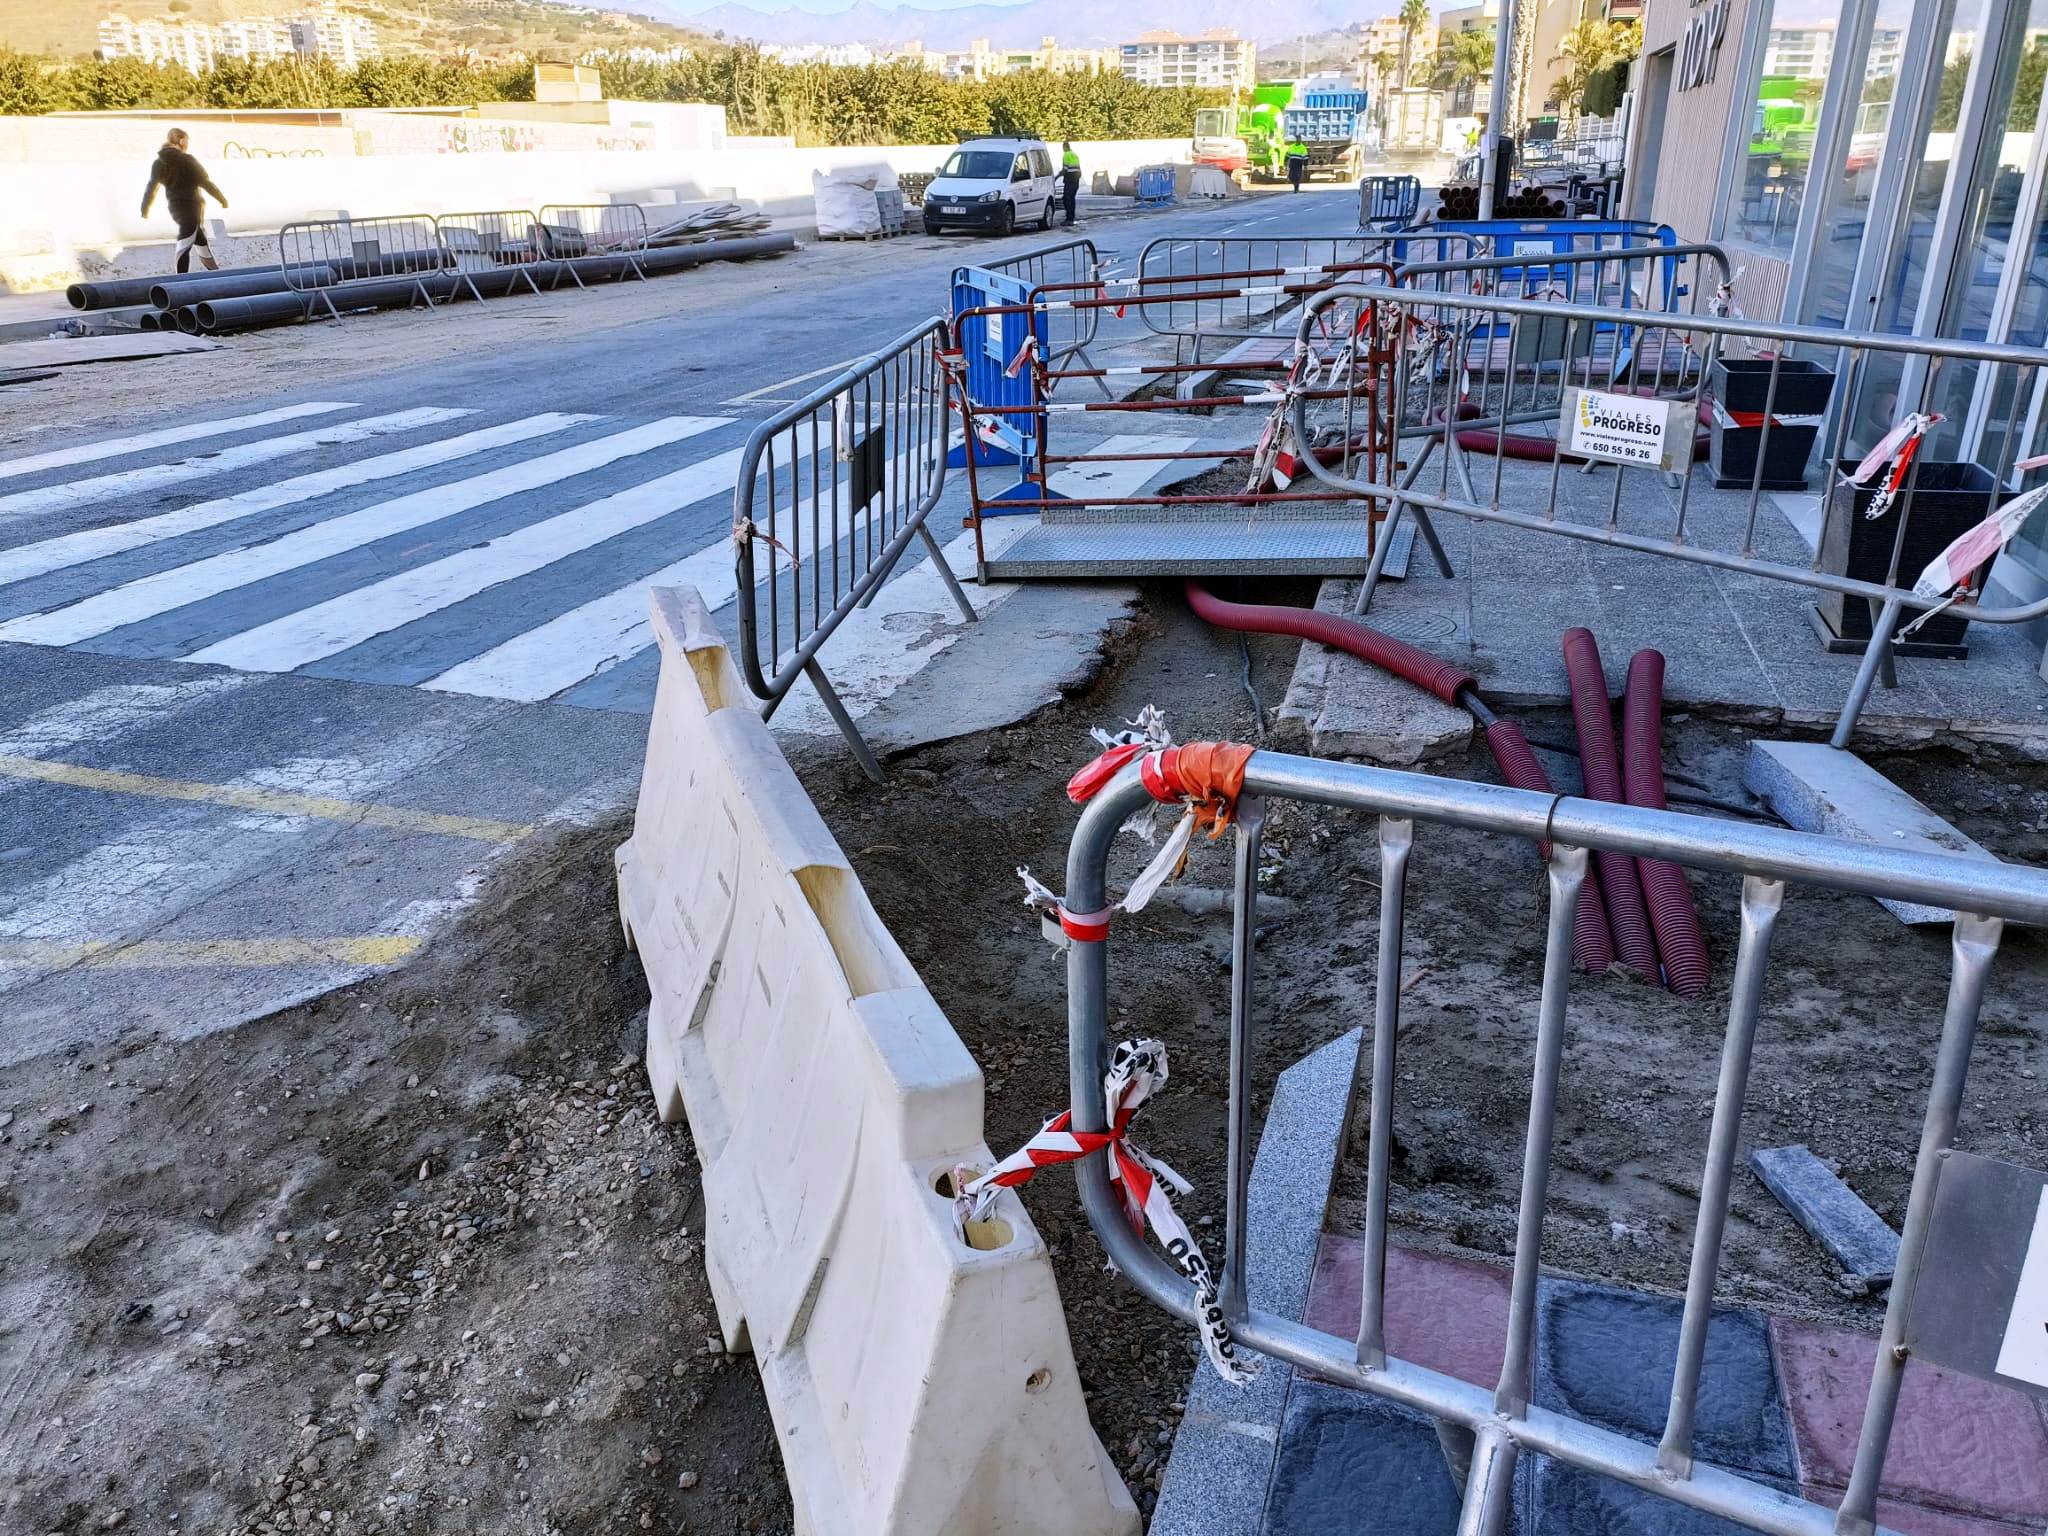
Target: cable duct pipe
x=1600, y=765
x=1592, y=950
x=1672, y=916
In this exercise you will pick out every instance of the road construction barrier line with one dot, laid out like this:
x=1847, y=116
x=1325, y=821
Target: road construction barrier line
x=272, y=802
x=918, y=1370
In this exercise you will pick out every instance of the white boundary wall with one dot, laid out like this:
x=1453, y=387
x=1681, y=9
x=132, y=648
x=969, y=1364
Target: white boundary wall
x=74, y=202
x=921, y=1379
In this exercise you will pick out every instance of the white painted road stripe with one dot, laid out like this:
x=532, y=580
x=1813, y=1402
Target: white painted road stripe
x=129, y=482
x=70, y=549
x=149, y=596
x=327, y=628
x=599, y=634
x=115, y=447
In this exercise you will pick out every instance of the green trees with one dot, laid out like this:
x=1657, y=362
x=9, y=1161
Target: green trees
x=1592, y=48
x=813, y=103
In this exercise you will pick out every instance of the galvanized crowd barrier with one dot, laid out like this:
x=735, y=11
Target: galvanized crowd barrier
x=618, y=230
x=833, y=489
x=1200, y=287
x=1388, y=201
x=320, y=257
x=503, y=241
x=1483, y=366
x=1486, y=1433
x=1529, y=237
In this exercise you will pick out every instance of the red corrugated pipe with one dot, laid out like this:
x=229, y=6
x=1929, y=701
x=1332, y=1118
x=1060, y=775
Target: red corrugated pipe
x=1591, y=948
x=1677, y=925
x=1600, y=765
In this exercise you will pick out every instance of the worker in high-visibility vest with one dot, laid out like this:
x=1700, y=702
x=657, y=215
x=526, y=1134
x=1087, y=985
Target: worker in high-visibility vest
x=1070, y=177
x=1297, y=162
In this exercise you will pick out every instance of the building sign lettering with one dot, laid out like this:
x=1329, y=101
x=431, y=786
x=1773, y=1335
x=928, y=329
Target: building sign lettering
x=1700, y=56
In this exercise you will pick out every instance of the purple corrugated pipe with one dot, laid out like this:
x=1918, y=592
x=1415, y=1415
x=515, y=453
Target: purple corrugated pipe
x=1599, y=763
x=1677, y=925
x=1592, y=949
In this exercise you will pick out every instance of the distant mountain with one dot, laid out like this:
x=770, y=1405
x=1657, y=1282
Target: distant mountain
x=1076, y=23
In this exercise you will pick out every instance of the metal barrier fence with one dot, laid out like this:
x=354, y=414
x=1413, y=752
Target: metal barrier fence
x=1069, y=333
x=1388, y=200
x=1532, y=237
x=1196, y=267
x=319, y=256
x=1494, y=364
x=835, y=487
x=503, y=241
x=1485, y=1433
x=595, y=229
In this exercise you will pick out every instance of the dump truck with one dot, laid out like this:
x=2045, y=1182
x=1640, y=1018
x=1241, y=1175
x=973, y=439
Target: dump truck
x=1248, y=139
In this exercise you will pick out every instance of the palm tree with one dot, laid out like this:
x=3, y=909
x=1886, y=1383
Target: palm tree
x=1414, y=17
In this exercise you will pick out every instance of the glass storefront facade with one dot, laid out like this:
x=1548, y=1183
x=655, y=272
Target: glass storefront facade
x=1882, y=168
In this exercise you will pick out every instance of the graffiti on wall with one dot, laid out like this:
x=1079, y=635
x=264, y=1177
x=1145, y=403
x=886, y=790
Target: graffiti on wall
x=233, y=150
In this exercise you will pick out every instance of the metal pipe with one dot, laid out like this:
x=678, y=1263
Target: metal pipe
x=1761, y=901
x=177, y=292
x=1251, y=826
x=1503, y=35
x=1397, y=838
x=117, y=292
x=1973, y=946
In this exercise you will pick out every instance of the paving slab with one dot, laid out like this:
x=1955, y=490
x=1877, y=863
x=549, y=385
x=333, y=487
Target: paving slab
x=1818, y=788
x=1358, y=1464
x=1607, y=1355
x=1855, y=1236
x=1971, y=1447
x=1738, y=645
x=1423, y=1291
x=1340, y=706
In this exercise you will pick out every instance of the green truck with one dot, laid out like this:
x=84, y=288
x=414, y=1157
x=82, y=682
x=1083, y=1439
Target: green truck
x=1248, y=141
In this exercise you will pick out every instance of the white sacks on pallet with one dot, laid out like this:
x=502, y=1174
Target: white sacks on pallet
x=846, y=203
x=920, y=1378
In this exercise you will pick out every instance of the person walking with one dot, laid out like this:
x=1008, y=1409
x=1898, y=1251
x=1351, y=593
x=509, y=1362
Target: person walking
x=183, y=178
x=1297, y=163
x=1070, y=177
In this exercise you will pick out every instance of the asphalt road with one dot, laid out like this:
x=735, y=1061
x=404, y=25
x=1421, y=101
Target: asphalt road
x=299, y=637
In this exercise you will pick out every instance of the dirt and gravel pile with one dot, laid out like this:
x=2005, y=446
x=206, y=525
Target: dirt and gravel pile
x=230, y=1301
x=415, y=1257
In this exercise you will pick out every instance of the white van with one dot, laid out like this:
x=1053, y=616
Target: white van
x=993, y=184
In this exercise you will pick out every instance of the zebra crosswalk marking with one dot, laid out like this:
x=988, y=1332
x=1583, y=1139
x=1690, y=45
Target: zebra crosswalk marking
x=594, y=636
x=142, y=442
x=26, y=560
x=148, y=596
x=73, y=494
x=308, y=635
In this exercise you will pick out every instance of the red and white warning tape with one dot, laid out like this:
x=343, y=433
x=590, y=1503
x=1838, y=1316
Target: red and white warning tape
x=1897, y=448
x=1137, y=1070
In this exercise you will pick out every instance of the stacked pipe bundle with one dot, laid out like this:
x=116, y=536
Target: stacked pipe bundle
x=1652, y=926
x=244, y=298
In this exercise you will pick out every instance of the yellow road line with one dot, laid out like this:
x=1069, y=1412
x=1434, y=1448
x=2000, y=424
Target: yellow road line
x=273, y=802
x=149, y=954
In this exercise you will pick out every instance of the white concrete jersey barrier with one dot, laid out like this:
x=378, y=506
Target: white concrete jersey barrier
x=921, y=1379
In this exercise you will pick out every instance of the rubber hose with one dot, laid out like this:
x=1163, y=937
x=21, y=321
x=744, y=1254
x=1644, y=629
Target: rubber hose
x=1592, y=949
x=1384, y=651
x=1672, y=916
x=1518, y=765
x=1600, y=767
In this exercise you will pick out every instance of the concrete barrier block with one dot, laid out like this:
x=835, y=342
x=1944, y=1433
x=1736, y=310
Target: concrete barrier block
x=919, y=1374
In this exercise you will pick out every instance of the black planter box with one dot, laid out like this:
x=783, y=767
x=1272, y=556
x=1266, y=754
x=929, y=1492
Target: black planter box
x=1744, y=384
x=1944, y=499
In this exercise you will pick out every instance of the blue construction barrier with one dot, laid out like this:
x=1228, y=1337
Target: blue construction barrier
x=1155, y=185
x=989, y=347
x=1388, y=200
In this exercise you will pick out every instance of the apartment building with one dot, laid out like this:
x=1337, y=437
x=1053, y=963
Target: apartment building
x=328, y=33
x=1218, y=57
